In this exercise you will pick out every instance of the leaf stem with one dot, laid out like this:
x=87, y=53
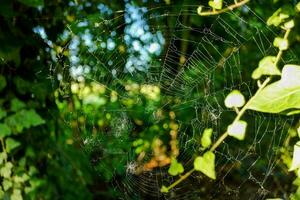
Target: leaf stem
x=181, y=179
x=231, y=7
x=286, y=35
x=240, y=114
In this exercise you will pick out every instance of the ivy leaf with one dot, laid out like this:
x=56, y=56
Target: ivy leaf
x=2, y=113
x=175, y=168
x=234, y=99
x=199, y=10
x=280, y=95
x=16, y=105
x=164, y=189
x=237, y=129
x=11, y=144
x=7, y=184
x=206, y=164
x=4, y=130
x=266, y=67
x=298, y=7
x=216, y=4
x=2, y=83
x=281, y=15
x=281, y=43
x=16, y=195
x=206, y=137
x=289, y=24
x=24, y=119
x=296, y=157
x=5, y=171
x=3, y=157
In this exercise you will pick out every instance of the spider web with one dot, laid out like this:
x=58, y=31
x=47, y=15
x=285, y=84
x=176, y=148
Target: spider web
x=245, y=169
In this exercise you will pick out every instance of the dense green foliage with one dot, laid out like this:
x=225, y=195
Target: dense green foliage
x=227, y=131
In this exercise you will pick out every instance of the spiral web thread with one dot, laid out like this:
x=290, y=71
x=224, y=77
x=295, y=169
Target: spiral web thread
x=196, y=86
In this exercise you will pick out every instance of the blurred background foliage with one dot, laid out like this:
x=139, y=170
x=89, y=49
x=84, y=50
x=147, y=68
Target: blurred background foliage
x=85, y=102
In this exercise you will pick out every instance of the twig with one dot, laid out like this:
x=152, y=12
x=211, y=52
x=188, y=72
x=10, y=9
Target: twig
x=231, y=7
x=181, y=179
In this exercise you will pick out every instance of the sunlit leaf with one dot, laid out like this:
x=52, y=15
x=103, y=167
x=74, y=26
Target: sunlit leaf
x=206, y=137
x=3, y=157
x=289, y=24
x=298, y=6
x=164, y=189
x=5, y=171
x=280, y=95
x=206, y=164
x=281, y=15
x=266, y=67
x=175, y=168
x=199, y=10
x=234, y=99
x=281, y=43
x=16, y=195
x=237, y=129
x=296, y=157
x=216, y=4
x=7, y=184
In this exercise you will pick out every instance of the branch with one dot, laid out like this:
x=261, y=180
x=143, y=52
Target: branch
x=231, y=7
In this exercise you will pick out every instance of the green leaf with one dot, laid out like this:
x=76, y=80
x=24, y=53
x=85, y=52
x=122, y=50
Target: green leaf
x=5, y=171
x=175, y=168
x=164, y=189
x=206, y=137
x=296, y=157
x=4, y=130
x=3, y=157
x=234, y=99
x=11, y=144
x=298, y=7
x=216, y=4
x=24, y=119
x=1, y=193
x=7, y=184
x=289, y=24
x=280, y=95
x=33, y=3
x=16, y=195
x=266, y=67
x=237, y=129
x=16, y=105
x=2, y=82
x=199, y=10
x=2, y=113
x=206, y=164
x=281, y=15
x=281, y=43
